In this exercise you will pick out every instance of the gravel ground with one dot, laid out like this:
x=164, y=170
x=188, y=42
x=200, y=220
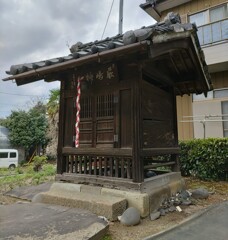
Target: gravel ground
x=147, y=227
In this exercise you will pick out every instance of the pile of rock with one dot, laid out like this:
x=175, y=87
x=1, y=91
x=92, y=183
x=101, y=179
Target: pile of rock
x=131, y=216
x=174, y=203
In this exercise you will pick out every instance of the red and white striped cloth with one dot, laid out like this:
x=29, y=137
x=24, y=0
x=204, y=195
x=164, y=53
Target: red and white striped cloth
x=78, y=107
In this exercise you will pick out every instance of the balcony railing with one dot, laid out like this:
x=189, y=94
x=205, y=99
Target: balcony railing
x=213, y=32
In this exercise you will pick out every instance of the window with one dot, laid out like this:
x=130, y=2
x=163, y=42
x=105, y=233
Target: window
x=218, y=93
x=105, y=105
x=218, y=13
x=198, y=97
x=221, y=93
x=199, y=18
x=13, y=155
x=212, y=24
x=4, y=155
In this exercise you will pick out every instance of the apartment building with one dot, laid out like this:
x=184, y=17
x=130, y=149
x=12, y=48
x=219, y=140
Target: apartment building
x=200, y=116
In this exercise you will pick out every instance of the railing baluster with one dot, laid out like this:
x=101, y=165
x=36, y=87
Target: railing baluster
x=85, y=164
x=67, y=163
x=111, y=166
x=128, y=169
x=95, y=165
x=71, y=164
x=122, y=167
x=76, y=163
x=80, y=164
x=90, y=165
x=100, y=166
x=105, y=167
x=117, y=167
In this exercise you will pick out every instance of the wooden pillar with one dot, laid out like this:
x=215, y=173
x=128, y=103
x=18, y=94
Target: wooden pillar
x=137, y=170
x=61, y=163
x=175, y=157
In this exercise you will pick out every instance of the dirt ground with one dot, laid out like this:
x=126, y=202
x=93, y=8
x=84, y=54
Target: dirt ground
x=219, y=193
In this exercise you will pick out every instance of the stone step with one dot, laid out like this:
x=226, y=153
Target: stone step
x=70, y=195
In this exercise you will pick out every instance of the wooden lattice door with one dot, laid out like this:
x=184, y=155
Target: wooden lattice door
x=97, y=121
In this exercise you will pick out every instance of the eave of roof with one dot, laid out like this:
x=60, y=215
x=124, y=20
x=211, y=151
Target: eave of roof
x=155, y=7
x=97, y=57
x=145, y=41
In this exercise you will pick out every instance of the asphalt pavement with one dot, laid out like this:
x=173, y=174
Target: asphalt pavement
x=33, y=221
x=210, y=224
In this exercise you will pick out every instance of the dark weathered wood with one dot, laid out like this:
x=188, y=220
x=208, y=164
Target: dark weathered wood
x=99, y=57
x=80, y=164
x=155, y=165
x=125, y=119
x=111, y=166
x=100, y=166
x=122, y=168
x=69, y=120
x=176, y=166
x=116, y=167
x=71, y=160
x=98, y=151
x=129, y=169
x=90, y=165
x=76, y=164
x=61, y=167
x=67, y=163
x=159, y=151
x=85, y=164
x=137, y=164
x=95, y=165
x=105, y=166
x=120, y=183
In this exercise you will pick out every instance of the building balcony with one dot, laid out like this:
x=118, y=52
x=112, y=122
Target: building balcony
x=213, y=38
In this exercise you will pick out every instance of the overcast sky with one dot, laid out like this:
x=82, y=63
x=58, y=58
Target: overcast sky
x=34, y=30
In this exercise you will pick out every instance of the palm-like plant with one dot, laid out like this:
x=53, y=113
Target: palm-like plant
x=53, y=102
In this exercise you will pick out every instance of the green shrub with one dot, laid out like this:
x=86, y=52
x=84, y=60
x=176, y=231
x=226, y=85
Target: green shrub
x=204, y=158
x=38, y=162
x=22, y=163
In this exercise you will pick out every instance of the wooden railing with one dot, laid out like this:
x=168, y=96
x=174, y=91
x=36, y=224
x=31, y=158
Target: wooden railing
x=161, y=157
x=98, y=162
x=119, y=167
x=115, y=163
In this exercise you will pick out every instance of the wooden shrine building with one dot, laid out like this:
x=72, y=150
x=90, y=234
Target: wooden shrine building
x=128, y=87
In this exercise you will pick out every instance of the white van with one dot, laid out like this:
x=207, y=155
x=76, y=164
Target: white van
x=8, y=158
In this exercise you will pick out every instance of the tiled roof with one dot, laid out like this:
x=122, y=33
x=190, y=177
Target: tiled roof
x=80, y=50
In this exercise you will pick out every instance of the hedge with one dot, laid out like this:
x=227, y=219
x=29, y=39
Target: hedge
x=204, y=158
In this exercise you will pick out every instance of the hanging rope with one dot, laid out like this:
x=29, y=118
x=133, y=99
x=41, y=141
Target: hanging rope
x=78, y=107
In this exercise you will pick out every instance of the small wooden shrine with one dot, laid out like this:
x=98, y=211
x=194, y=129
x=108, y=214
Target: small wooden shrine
x=118, y=101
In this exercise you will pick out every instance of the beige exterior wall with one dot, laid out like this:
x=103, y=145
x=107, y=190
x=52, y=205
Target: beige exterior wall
x=216, y=56
x=217, y=59
x=184, y=108
x=220, y=79
x=207, y=108
x=193, y=6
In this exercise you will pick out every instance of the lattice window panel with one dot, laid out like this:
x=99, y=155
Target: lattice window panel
x=86, y=107
x=105, y=105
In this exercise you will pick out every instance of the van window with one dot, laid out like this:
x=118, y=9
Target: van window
x=13, y=155
x=4, y=155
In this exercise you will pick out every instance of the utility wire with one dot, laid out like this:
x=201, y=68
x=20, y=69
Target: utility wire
x=20, y=94
x=107, y=19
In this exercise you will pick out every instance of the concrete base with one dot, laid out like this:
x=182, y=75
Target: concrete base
x=83, y=197
x=112, y=202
